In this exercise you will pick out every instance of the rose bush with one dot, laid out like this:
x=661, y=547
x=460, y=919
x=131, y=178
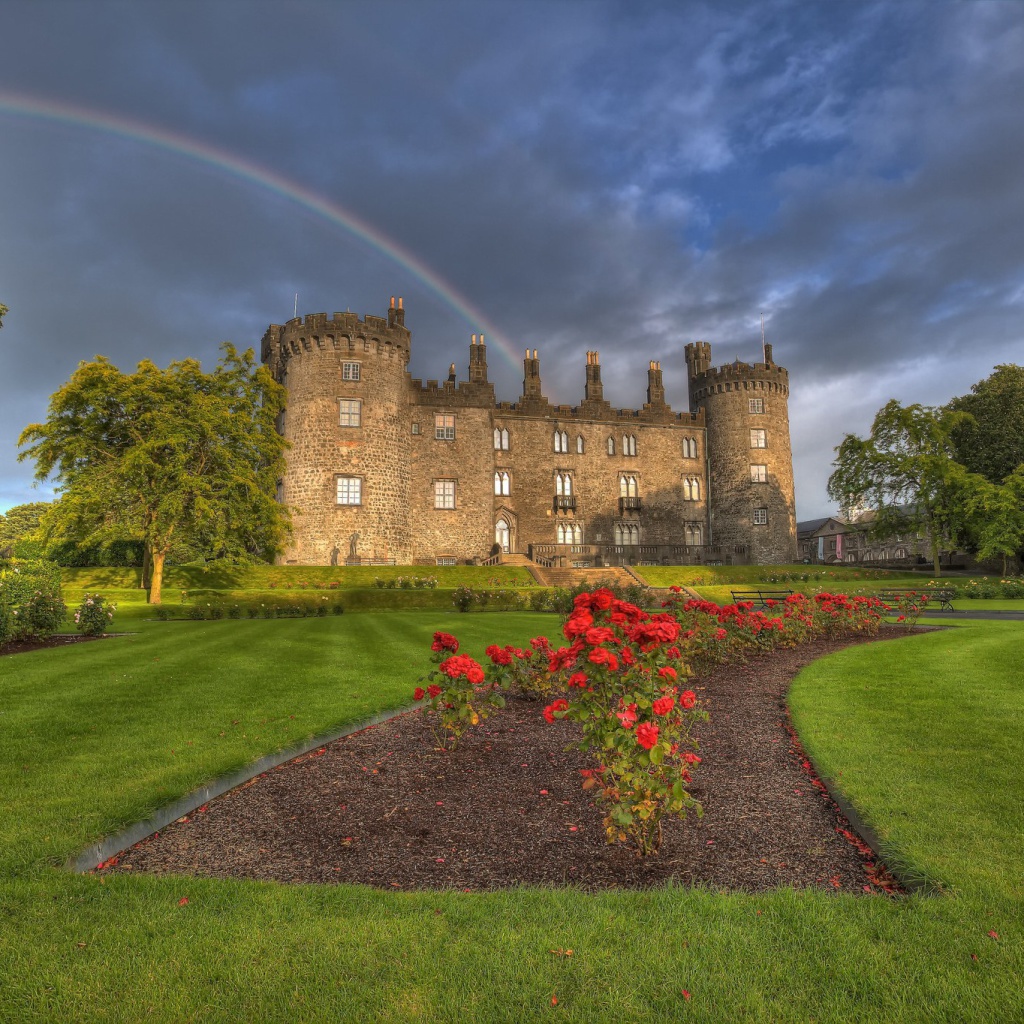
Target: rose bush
x=94, y=615
x=458, y=692
x=623, y=673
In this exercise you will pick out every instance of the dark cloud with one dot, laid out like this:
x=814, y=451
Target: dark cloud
x=620, y=176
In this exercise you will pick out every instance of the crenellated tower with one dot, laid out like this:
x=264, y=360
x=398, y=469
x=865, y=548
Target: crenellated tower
x=750, y=461
x=348, y=466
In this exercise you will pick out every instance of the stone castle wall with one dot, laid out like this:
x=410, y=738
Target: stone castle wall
x=691, y=470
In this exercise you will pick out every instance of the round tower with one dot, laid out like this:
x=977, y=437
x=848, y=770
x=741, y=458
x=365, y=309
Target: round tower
x=746, y=408
x=347, y=476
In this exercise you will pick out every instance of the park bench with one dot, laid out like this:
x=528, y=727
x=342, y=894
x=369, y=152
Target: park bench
x=943, y=597
x=760, y=597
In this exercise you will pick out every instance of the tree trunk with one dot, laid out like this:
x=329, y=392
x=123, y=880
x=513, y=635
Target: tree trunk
x=147, y=566
x=936, y=558
x=157, y=581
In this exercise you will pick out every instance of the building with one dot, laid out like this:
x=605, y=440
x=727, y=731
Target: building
x=385, y=467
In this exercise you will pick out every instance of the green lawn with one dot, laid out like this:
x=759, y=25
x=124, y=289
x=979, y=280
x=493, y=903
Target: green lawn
x=926, y=734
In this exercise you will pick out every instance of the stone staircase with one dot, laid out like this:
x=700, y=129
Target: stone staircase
x=568, y=578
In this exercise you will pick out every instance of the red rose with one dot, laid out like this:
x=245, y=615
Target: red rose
x=578, y=679
x=444, y=642
x=475, y=674
x=419, y=693
x=688, y=699
x=627, y=716
x=434, y=690
x=602, y=599
x=599, y=656
x=667, y=672
x=646, y=735
x=663, y=705
x=691, y=758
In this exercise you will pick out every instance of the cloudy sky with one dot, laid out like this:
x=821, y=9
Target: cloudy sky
x=572, y=175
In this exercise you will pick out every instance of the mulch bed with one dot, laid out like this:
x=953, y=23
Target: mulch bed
x=59, y=640
x=385, y=808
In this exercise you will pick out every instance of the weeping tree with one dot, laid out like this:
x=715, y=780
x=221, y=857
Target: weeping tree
x=906, y=470
x=169, y=456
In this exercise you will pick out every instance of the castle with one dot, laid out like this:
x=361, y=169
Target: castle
x=385, y=467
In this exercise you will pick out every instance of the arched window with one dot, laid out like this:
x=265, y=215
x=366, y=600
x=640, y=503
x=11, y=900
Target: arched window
x=628, y=486
x=689, y=448
x=500, y=439
x=579, y=444
x=577, y=533
x=611, y=445
x=628, y=444
x=561, y=441
x=501, y=482
x=627, y=533
x=563, y=484
x=694, y=534
x=691, y=489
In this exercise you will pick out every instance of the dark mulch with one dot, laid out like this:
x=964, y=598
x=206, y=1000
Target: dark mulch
x=58, y=640
x=385, y=808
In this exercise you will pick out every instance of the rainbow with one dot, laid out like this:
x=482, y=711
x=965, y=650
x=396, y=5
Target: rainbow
x=64, y=113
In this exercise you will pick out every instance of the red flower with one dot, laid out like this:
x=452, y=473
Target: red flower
x=602, y=599
x=598, y=635
x=552, y=709
x=498, y=655
x=688, y=699
x=646, y=735
x=433, y=690
x=599, y=656
x=627, y=716
x=419, y=693
x=663, y=705
x=667, y=672
x=691, y=758
x=444, y=642
x=578, y=679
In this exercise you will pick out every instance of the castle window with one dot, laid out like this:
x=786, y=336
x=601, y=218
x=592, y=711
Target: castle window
x=569, y=533
x=611, y=445
x=350, y=371
x=691, y=489
x=561, y=441
x=689, y=448
x=416, y=428
x=628, y=486
x=350, y=490
x=758, y=438
x=501, y=482
x=694, y=534
x=444, y=426
x=759, y=474
x=500, y=439
x=755, y=405
x=446, y=560
x=760, y=517
x=563, y=484
x=444, y=494
x=627, y=533
x=579, y=444
x=351, y=412
x=628, y=444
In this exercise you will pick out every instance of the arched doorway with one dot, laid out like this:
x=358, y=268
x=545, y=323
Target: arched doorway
x=503, y=535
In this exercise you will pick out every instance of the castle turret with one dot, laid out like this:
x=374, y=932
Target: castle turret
x=594, y=390
x=348, y=467
x=751, y=497
x=655, y=386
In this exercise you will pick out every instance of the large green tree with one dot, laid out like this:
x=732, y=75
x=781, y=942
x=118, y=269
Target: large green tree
x=907, y=471
x=174, y=455
x=996, y=516
x=21, y=523
x=991, y=442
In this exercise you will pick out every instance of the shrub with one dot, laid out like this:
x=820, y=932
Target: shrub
x=94, y=615
x=458, y=692
x=6, y=625
x=162, y=613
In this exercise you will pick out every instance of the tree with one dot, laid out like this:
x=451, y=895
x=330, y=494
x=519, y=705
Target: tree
x=3, y=313
x=165, y=455
x=906, y=470
x=21, y=523
x=996, y=515
x=991, y=442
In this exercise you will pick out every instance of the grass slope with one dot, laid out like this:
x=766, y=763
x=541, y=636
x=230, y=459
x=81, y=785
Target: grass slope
x=86, y=741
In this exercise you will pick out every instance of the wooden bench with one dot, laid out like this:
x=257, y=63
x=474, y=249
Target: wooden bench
x=760, y=597
x=944, y=597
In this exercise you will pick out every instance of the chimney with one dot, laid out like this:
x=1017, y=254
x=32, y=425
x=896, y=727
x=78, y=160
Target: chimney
x=594, y=390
